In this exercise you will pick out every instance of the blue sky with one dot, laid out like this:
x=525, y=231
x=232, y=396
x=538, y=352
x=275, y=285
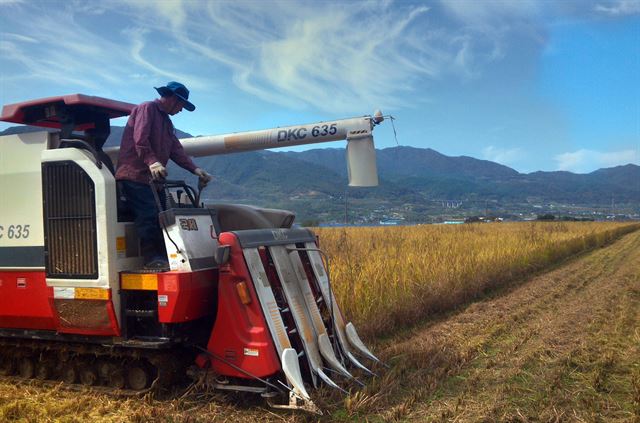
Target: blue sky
x=534, y=85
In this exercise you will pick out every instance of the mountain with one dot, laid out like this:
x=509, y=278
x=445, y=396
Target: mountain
x=408, y=162
x=23, y=129
x=114, y=137
x=435, y=174
x=413, y=181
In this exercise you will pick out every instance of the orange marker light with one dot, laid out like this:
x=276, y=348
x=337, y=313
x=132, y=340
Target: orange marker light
x=243, y=293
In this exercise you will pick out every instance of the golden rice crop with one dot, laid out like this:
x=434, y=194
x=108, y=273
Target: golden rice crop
x=386, y=277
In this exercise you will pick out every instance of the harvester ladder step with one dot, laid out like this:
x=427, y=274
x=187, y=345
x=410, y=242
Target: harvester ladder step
x=141, y=313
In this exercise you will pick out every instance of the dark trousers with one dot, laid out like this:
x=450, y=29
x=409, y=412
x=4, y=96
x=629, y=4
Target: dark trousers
x=143, y=205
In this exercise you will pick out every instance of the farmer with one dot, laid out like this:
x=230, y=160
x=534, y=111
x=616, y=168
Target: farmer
x=148, y=142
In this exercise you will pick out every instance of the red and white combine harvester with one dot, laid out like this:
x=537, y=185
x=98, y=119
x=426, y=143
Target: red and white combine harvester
x=246, y=306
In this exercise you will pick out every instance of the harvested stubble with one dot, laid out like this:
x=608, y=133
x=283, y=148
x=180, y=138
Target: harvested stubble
x=387, y=277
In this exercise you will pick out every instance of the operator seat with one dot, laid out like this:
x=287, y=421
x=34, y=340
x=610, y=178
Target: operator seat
x=237, y=217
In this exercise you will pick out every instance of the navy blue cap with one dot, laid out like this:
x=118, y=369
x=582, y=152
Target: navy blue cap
x=179, y=90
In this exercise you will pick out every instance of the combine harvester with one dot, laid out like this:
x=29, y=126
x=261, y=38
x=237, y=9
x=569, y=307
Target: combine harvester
x=246, y=306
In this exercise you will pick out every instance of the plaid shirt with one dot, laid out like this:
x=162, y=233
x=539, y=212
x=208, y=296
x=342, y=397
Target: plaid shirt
x=149, y=137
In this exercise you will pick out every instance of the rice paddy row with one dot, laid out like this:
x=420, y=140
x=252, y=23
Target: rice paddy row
x=385, y=277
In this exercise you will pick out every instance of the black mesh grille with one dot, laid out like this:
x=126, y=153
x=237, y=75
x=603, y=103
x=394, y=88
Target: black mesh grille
x=70, y=222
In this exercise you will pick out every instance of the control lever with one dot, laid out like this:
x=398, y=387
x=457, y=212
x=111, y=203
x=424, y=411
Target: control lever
x=201, y=186
x=179, y=195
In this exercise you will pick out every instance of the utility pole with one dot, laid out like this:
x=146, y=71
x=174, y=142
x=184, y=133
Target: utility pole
x=346, y=210
x=613, y=208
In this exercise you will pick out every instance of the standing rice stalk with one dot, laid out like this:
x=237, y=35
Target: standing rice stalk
x=385, y=277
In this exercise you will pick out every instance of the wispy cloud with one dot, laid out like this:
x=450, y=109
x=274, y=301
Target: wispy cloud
x=137, y=39
x=485, y=12
x=323, y=62
x=9, y=36
x=582, y=161
x=505, y=156
x=64, y=47
x=619, y=8
x=173, y=12
x=47, y=70
x=330, y=56
x=486, y=29
x=78, y=57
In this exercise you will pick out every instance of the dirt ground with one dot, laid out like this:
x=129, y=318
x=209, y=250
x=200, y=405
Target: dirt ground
x=563, y=345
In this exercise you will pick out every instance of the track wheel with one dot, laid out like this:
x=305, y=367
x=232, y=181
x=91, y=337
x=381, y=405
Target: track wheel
x=138, y=376
x=111, y=374
x=104, y=368
x=7, y=365
x=43, y=370
x=116, y=379
x=88, y=376
x=70, y=373
x=26, y=368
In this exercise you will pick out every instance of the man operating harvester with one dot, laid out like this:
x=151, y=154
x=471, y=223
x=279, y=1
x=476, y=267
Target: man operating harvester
x=148, y=142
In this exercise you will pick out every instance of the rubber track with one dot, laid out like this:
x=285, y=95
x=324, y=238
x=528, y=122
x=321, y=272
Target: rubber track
x=165, y=364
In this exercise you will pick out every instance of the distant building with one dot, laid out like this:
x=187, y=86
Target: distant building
x=390, y=222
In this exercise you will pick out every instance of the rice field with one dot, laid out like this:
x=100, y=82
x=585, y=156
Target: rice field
x=562, y=345
x=387, y=277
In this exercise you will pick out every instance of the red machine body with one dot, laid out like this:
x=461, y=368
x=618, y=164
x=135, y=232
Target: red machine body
x=28, y=303
x=83, y=108
x=186, y=296
x=25, y=301
x=247, y=341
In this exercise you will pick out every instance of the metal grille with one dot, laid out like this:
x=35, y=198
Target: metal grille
x=82, y=314
x=70, y=222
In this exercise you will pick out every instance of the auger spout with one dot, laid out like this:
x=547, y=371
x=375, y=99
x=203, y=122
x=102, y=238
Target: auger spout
x=358, y=132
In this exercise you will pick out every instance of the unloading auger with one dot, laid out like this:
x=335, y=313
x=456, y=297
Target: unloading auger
x=246, y=306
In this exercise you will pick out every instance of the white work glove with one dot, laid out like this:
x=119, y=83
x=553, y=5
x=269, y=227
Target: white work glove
x=204, y=177
x=158, y=172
